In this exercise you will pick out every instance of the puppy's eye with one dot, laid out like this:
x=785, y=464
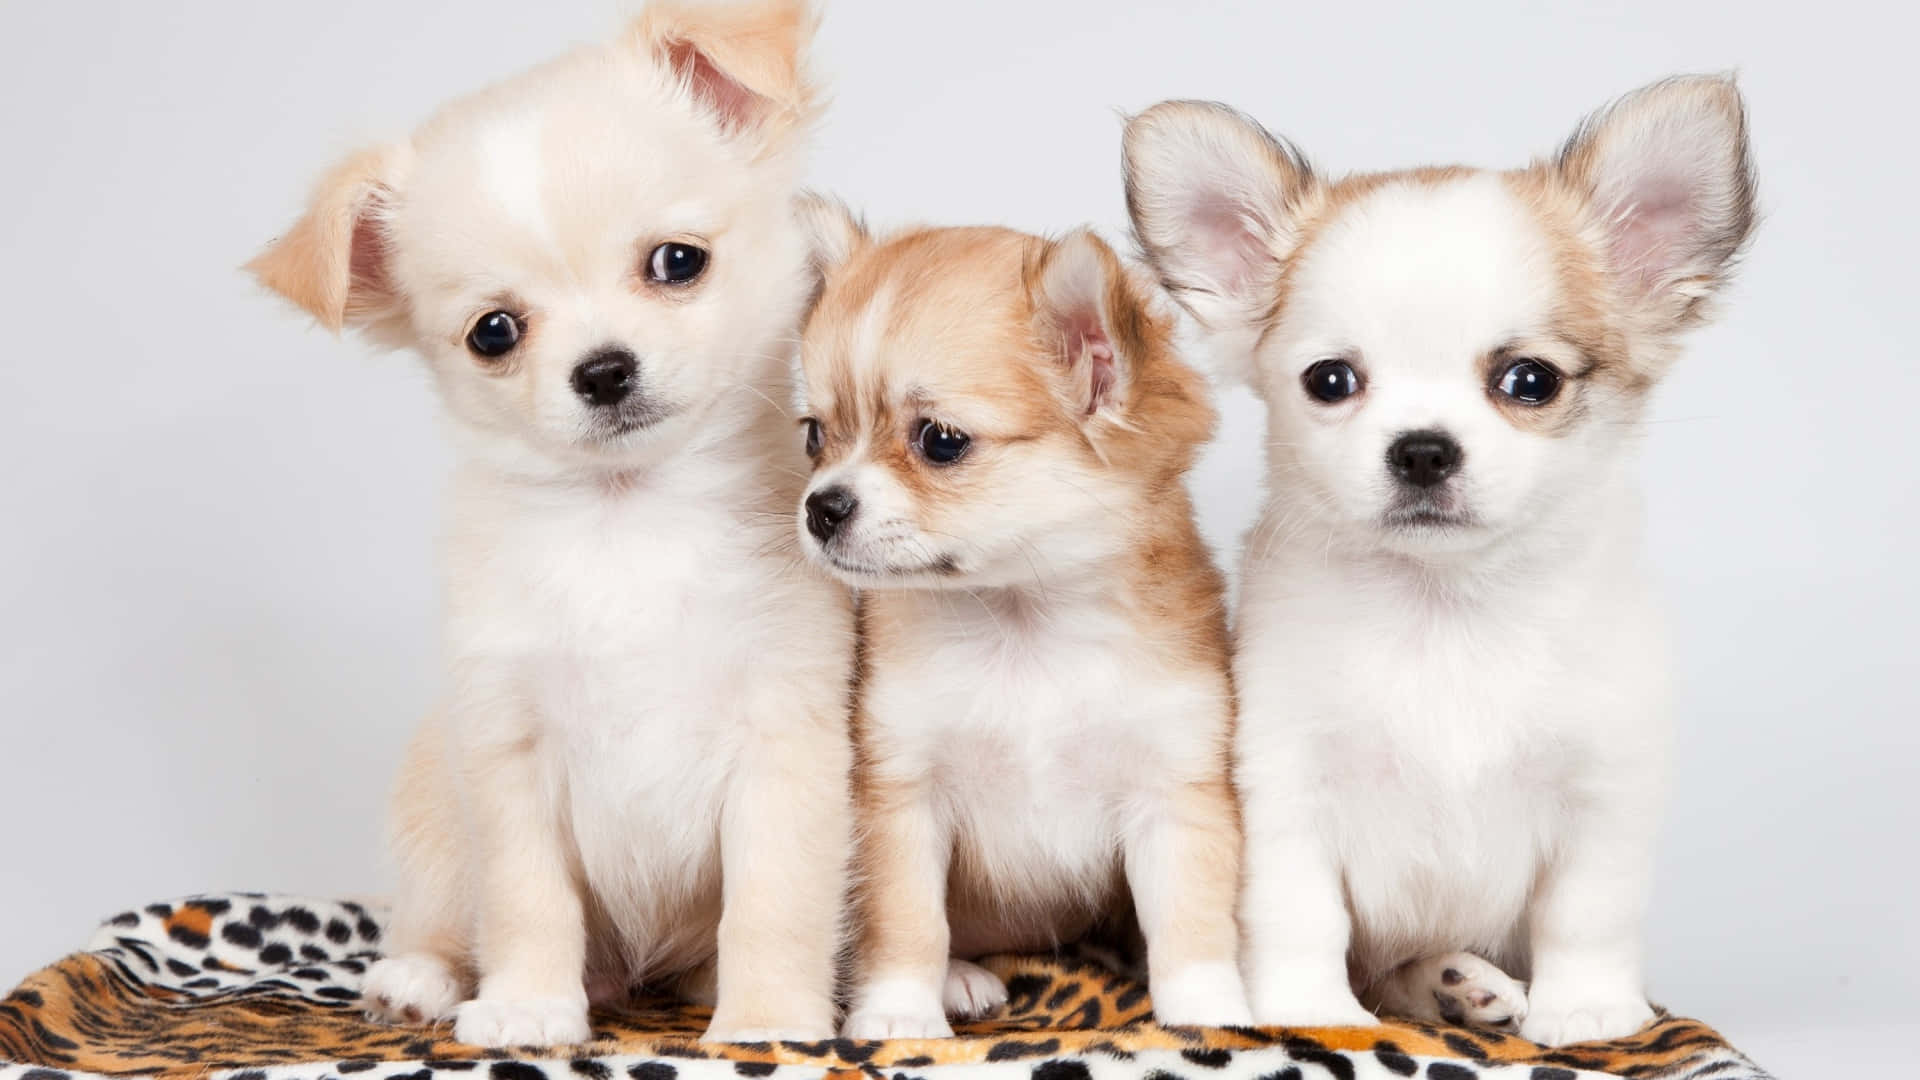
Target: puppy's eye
x=939, y=443
x=1331, y=380
x=816, y=437
x=675, y=263
x=494, y=335
x=1529, y=382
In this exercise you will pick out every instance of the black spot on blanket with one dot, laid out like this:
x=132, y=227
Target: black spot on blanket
x=1015, y=1049
x=1394, y=1060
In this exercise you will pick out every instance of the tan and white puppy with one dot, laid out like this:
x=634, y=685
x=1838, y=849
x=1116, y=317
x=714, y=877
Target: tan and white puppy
x=1000, y=427
x=639, y=771
x=1453, y=734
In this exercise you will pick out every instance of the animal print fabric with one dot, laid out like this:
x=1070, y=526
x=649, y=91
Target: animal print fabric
x=248, y=986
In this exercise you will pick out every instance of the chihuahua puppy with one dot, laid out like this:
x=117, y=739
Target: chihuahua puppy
x=999, y=427
x=640, y=768
x=1453, y=736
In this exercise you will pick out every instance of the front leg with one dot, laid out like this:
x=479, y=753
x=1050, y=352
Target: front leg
x=531, y=939
x=1183, y=866
x=902, y=962
x=785, y=835
x=1293, y=912
x=1585, y=924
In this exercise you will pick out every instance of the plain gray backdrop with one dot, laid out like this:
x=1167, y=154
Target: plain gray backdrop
x=217, y=615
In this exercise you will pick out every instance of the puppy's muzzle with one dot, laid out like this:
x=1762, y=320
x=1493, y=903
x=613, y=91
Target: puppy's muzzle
x=828, y=509
x=606, y=377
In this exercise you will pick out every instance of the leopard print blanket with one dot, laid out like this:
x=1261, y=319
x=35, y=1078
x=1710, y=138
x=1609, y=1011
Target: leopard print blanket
x=253, y=987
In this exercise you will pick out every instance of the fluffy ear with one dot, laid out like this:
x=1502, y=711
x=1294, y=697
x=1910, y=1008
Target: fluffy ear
x=1215, y=202
x=1085, y=309
x=834, y=232
x=1670, y=175
x=333, y=262
x=742, y=60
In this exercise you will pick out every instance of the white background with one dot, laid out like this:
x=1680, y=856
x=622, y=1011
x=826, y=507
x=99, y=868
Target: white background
x=216, y=523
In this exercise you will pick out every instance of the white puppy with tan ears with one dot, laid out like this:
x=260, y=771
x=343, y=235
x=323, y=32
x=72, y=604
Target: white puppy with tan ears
x=1000, y=428
x=1453, y=734
x=640, y=769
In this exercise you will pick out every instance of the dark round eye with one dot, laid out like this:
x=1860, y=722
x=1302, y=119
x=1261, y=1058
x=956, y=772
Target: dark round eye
x=816, y=437
x=676, y=263
x=939, y=443
x=494, y=335
x=1331, y=380
x=1529, y=382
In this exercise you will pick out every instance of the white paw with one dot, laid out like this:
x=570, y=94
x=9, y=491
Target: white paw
x=897, y=1009
x=1560, y=1019
x=1330, y=1004
x=971, y=991
x=1206, y=995
x=412, y=988
x=876, y=1024
x=522, y=1022
x=1470, y=992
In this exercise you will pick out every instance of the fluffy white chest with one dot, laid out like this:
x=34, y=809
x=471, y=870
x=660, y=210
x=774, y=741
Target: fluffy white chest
x=626, y=632
x=1443, y=798
x=1040, y=739
x=1451, y=746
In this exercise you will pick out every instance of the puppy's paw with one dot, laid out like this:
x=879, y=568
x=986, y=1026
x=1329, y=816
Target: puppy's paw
x=971, y=991
x=1463, y=990
x=1304, y=1004
x=720, y=1031
x=522, y=1022
x=897, y=1009
x=1205, y=995
x=411, y=988
x=878, y=1024
x=1558, y=1017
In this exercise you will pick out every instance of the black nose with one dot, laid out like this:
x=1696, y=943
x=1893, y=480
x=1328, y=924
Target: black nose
x=827, y=508
x=605, y=377
x=1424, y=458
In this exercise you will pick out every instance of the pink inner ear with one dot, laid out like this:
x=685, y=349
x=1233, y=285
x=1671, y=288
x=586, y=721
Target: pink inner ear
x=367, y=257
x=1228, y=247
x=1651, y=239
x=1088, y=344
x=737, y=106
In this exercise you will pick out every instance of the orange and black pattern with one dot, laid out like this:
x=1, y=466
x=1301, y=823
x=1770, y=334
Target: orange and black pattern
x=267, y=988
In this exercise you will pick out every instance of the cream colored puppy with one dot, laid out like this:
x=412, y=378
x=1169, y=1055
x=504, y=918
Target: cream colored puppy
x=1453, y=730
x=640, y=769
x=1000, y=427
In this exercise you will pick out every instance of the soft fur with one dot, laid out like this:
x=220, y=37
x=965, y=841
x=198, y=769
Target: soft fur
x=640, y=768
x=1453, y=735
x=1045, y=713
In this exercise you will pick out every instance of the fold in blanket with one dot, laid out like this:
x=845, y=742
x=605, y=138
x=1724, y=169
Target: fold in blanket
x=253, y=987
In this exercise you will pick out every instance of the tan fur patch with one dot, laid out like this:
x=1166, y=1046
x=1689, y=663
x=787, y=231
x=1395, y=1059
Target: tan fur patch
x=755, y=46
x=332, y=262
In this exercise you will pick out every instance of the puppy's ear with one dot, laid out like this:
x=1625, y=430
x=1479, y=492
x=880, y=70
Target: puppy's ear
x=1215, y=202
x=1668, y=174
x=1087, y=315
x=743, y=61
x=833, y=231
x=335, y=261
